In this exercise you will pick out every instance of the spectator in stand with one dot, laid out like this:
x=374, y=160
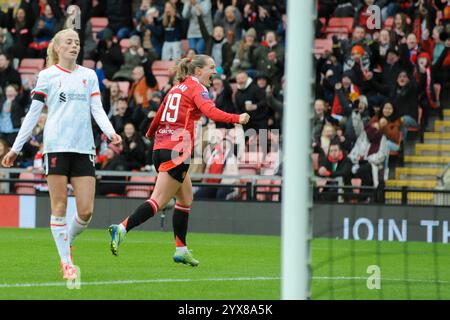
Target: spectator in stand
x=334, y=164
x=269, y=58
x=275, y=104
x=112, y=161
x=150, y=112
x=322, y=144
x=132, y=59
x=425, y=79
x=194, y=34
x=400, y=28
x=345, y=94
x=222, y=93
x=251, y=99
x=11, y=113
x=358, y=120
x=121, y=115
x=281, y=30
x=109, y=54
x=242, y=59
x=368, y=155
x=143, y=87
x=321, y=117
x=110, y=98
x=172, y=29
x=261, y=18
x=391, y=127
x=37, y=136
x=229, y=20
x=409, y=52
x=151, y=25
x=6, y=41
x=133, y=148
x=344, y=8
x=8, y=75
x=342, y=48
x=44, y=29
x=405, y=100
x=217, y=46
x=20, y=27
x=220, y=159
x=119, y=15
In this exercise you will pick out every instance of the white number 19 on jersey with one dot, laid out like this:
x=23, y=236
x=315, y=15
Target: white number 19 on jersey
x=170, y=113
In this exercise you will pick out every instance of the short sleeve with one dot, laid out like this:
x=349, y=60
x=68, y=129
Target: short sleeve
x=40, y=92
x=94, y=89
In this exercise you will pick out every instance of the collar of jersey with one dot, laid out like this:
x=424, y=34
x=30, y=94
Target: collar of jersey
x=64, y=69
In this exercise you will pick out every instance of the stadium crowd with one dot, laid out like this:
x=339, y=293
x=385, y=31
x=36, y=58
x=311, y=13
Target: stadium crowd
x=373, y=86
x=245, y=38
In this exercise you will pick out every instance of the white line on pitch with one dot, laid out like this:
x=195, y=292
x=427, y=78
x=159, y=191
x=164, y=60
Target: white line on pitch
x=119, y=282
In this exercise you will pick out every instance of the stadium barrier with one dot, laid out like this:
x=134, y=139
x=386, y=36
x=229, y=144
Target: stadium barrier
x=333, y=221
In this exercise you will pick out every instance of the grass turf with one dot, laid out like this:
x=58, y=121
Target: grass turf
x=231, y=267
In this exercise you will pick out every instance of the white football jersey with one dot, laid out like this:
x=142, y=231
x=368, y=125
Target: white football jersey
x=71, y=97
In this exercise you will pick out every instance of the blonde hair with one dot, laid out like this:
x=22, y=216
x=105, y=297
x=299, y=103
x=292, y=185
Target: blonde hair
x=186, y=66
x=52, y=55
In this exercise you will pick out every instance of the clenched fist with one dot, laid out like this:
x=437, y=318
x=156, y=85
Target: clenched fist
x=244, y=118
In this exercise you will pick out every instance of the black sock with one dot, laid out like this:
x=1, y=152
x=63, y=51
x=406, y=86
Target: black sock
x=142, y=213
x=180, y=221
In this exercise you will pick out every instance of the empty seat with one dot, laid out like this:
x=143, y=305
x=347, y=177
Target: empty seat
x=346, y=23
x=141, y=191
x=31, y=66
x=262, y=193
x=25, y=187
x=162, y=67
x=98, y=23
x=276, y=190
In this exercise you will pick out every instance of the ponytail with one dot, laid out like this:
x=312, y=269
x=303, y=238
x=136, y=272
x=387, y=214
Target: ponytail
x=186, y=66
x=182, y=69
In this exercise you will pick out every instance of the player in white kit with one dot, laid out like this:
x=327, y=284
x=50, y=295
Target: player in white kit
x=72, y=95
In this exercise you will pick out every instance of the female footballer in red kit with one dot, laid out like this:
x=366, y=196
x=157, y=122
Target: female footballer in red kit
x=173, y=132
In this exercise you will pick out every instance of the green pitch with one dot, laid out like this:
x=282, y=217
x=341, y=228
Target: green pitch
x=231, y=267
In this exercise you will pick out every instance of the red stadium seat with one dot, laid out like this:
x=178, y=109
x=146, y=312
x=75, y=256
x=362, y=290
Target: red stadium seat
x=89, y=64
x=31, y=66
x=98, y=23
x=140, y=191
x=162, y=81
x=276, y=190
x=161, y=67
x=25, y=187
x=264, y=195
x=341, y=22
x=322, y=45
x=340, y=32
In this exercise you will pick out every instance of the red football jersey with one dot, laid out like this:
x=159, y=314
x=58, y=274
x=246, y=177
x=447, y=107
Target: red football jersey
x=174, y=124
